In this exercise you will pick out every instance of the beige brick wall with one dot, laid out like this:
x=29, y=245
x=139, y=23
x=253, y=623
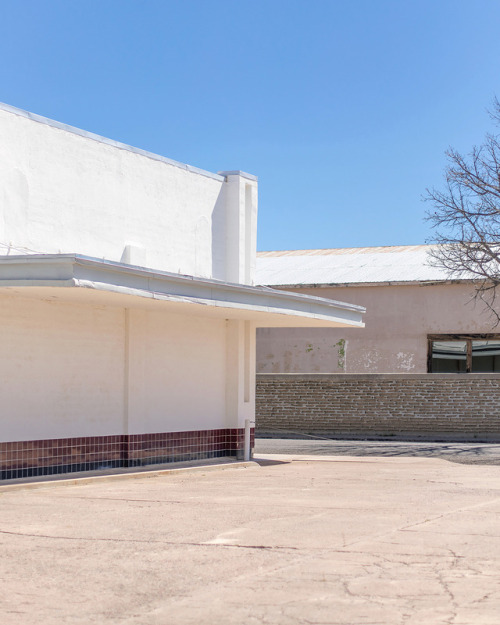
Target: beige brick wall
x=406, y=406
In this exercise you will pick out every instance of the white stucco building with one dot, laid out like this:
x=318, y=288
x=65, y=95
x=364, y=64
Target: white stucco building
x=127, y=305
x=417, y=320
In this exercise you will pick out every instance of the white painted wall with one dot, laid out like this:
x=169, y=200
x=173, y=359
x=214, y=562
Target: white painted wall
x=71, y=370
x=61, y=192
x=240, y=363
x=177, y=373
x=394, y=340
x=241, y=246
x=61, y=369
x=78, y=370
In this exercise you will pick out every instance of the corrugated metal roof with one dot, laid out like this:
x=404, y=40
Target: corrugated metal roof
x=361, y=265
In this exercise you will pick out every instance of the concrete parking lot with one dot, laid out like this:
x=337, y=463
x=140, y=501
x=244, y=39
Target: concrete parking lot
x=293, y=539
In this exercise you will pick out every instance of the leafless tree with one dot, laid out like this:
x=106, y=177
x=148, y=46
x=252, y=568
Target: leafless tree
x=466, y=216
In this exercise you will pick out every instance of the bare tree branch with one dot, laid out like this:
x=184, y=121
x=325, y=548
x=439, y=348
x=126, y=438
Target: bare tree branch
x=466, y=217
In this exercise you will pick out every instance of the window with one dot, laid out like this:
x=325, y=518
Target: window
x=471, y=353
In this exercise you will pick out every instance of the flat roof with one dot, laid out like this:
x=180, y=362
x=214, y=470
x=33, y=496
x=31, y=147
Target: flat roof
x=74, y=277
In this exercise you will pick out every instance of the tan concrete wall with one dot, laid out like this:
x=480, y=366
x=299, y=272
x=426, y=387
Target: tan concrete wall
x=414, y=407
x=397, y=320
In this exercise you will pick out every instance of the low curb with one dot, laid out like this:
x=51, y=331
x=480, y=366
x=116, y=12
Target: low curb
x=107, y=477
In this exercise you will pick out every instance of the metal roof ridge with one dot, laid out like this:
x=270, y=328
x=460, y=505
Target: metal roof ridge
x=333, y=250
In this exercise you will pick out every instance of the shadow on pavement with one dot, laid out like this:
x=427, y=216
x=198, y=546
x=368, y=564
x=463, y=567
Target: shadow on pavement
x=268, y=463
x=462, y=453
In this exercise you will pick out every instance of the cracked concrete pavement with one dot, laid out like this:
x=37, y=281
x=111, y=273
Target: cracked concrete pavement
x=291, y=540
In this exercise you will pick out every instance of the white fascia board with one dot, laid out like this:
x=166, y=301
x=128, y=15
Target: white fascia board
x=265, y=306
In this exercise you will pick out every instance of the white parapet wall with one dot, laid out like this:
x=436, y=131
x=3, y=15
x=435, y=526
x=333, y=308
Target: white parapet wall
x=64, y=190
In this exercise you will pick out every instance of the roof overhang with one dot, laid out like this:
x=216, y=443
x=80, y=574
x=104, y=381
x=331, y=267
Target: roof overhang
x=72, y=277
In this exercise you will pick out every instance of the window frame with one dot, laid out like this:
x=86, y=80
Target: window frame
x=468, y=338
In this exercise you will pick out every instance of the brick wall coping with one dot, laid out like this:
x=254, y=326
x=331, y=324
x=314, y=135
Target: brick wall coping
x=379, y=376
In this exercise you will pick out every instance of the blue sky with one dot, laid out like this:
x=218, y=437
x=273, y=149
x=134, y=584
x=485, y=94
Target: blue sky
x=342, y=109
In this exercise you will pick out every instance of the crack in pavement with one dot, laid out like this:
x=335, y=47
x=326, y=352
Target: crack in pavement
x=152, y=541
x=454, y=511
x=226, y=502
